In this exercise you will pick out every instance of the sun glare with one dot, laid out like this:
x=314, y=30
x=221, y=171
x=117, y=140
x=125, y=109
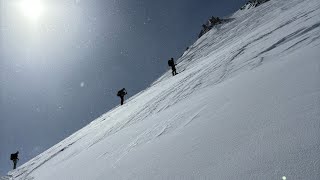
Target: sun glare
x=32, y=9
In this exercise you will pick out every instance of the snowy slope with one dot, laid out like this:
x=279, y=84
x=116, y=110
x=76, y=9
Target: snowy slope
x=246, y=105
x=253, y=4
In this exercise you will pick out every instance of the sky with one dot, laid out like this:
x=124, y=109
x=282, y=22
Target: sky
x=62, y=62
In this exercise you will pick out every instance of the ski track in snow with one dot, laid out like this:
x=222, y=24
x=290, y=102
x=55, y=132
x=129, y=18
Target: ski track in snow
x=250, y=39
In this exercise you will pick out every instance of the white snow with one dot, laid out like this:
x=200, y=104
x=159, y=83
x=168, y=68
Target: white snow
x=245, y=105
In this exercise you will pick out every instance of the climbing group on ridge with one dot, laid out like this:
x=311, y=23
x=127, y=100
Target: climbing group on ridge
x=122, y=92
x=205, y=28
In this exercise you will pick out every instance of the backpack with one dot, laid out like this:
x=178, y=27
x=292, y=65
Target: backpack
x=121, y=92
x=170, y=62
x=12, y=157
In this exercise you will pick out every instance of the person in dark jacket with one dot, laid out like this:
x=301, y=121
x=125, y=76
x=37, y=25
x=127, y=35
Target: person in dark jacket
x=173, y=66
x=121, y=94
x=15, y=159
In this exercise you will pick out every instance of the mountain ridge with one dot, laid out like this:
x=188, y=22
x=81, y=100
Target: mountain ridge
x=204, y=115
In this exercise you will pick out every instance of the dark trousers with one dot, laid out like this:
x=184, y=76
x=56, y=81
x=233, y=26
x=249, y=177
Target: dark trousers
x=15, y=163
x=174, y=70
x=122, y=99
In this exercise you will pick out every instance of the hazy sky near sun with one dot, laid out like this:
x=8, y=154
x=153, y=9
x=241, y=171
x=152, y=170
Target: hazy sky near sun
x=60, y=69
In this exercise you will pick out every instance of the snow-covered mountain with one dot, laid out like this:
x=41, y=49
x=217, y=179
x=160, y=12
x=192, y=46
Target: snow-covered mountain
x=245, y=105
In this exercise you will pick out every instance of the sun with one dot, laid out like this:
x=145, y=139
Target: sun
x=32, y=9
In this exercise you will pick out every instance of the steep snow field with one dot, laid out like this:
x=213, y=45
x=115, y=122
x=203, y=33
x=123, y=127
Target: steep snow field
x=245, y=105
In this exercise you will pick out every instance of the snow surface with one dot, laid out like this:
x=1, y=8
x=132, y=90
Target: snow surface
x=245, y=105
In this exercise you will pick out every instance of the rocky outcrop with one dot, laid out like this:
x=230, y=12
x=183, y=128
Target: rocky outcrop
x=253, y=4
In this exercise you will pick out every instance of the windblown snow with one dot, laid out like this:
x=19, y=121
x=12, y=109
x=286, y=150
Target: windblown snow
x=245, y=105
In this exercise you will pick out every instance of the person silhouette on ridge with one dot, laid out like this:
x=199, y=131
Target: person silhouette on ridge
x=173, y=66
x=14, y=158
x=121, y=94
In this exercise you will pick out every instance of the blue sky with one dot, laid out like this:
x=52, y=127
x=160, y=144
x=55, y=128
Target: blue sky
x=62, y=70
